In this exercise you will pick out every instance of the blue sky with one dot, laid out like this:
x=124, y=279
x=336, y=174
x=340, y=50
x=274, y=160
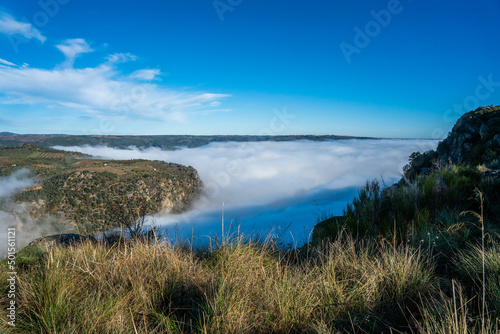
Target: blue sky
x=393, y=68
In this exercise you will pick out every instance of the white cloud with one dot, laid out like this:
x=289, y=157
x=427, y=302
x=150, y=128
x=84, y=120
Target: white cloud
x=10, y=26
x=73, y=105
x=5, y=62
x=117, y=58
x=102, y=89
x=72, y=48
x=145, y=74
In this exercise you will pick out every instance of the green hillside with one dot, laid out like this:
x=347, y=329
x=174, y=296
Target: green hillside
x=94, y=194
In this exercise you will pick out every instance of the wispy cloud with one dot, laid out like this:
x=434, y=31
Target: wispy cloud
x=72, y=48
x=146, y=74
x=5, y=62
x=102, y=91
x=10, y=26
x=117, y=58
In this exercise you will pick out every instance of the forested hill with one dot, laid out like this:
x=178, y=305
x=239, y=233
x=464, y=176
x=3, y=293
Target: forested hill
x=99, y=194
x=167, y=142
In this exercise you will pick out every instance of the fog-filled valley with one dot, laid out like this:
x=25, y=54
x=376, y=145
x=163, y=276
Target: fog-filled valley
x=282, y=188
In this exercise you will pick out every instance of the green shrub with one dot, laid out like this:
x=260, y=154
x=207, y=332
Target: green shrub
x=416, y=205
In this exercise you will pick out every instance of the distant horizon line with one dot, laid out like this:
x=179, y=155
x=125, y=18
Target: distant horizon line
x=212, y=135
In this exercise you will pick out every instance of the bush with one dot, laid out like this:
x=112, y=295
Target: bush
x=416, y=205
x=418, y=161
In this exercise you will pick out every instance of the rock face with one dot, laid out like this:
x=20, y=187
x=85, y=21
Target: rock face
x=62, y=240
x=474, y=140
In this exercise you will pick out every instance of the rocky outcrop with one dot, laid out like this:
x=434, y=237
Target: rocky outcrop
x=474, y=140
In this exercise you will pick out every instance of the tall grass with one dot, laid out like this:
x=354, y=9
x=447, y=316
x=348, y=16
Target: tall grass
x=481, y=271
x=454, y=314
x=241, y=287
x=96, y=289
x=437, y=215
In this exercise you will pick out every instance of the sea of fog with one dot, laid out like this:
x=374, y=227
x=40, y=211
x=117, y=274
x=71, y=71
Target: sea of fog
x=280, y=189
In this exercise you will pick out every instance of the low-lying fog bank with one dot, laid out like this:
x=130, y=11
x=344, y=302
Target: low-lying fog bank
x=267, y=186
